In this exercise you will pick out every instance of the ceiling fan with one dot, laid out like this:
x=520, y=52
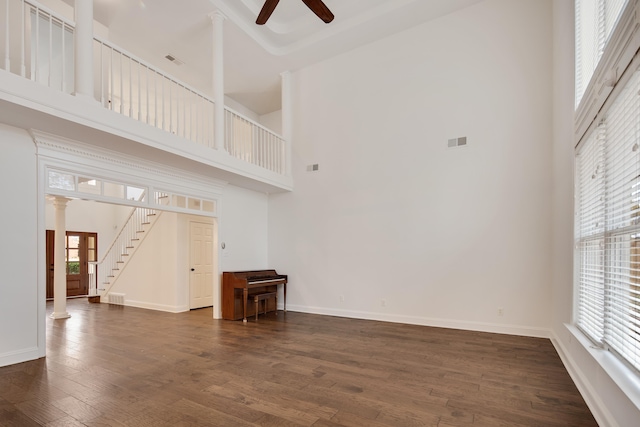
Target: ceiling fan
x=317, y=6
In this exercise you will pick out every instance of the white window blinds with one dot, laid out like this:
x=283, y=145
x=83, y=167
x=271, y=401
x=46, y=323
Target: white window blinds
x=608, y=227
x=595, y=21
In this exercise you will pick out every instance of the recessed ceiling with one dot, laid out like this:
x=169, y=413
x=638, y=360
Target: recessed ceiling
x=255, y=55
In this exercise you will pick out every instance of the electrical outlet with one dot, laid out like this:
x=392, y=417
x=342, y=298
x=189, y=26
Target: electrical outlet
x=383, y=303
x=500, y=311
x=341, y=298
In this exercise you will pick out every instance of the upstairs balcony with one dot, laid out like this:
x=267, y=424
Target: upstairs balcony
x=57, y=78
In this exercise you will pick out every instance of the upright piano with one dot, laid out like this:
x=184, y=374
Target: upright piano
x=239, y=286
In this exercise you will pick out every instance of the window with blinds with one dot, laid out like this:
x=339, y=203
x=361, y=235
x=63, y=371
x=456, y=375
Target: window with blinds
x=607, y=226
x=595, y=20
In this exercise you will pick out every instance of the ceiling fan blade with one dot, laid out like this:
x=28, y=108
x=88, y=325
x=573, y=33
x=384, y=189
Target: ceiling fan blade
x=320, y=9
x=267, y=10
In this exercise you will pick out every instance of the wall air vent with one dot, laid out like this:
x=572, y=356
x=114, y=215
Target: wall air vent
x=173, y=59
x=116, y=298
x=457, y=142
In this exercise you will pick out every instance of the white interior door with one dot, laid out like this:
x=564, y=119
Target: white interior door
x=201, y=259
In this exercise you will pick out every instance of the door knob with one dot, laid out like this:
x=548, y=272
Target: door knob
x=193, y=269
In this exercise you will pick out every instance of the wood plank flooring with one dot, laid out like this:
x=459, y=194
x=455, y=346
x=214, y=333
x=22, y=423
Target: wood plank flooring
x=122, y=366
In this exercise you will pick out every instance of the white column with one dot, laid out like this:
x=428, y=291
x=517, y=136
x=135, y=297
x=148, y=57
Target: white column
x=217, y=18
x=287, y=119
x=83, y=55
x=59, y=264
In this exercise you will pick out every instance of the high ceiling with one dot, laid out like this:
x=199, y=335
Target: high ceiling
x=255, y=55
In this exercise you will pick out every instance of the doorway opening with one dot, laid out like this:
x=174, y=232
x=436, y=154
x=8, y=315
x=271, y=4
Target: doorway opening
x=171, y=266
x=81, y=249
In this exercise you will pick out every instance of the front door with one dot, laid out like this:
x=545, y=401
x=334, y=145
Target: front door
x=80, y=249
x=201, y=259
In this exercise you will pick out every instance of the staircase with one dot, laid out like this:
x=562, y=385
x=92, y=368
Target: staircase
x=125, y=244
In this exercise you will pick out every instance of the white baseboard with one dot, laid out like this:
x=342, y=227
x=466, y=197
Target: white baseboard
x=157, y=307
x=19, y=356
x=426, y=321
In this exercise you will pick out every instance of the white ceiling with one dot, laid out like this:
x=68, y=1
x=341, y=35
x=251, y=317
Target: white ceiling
x=255, y=55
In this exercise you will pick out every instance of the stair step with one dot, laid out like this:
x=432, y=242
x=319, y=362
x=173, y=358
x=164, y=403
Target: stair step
x=124, y=254
x=119, y=262
x=130, y=247
x=151, y=214
x=146, y=223
x=134, y=240
x=140, y=231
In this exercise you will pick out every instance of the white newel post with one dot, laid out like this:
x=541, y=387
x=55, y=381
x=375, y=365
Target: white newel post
x=83, y=56
x=287, y=119
x=217, y=18
x=59, y=264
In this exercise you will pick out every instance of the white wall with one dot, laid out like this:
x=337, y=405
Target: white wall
x=444, y=237
x=243, y=229
x=19, y=296
x=272, y=121
x=152, y=279
x=610, y=389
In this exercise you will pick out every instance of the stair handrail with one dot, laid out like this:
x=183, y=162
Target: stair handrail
x=129, y=228
x=133, y=211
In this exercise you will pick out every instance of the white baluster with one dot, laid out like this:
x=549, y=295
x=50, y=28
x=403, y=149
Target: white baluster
x=130, y=87
x=64, y=57
x=146, y=78
x=50, y=50
x=23, y=67
x=7, y=59
x=35, y=72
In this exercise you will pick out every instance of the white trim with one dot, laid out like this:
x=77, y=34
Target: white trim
x=19, y=356
x=613, y=368
x=82, y=158
x=157, y=307
x=426, y=321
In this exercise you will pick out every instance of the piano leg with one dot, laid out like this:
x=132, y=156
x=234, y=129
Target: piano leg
x=245, y=295
x=285, y=296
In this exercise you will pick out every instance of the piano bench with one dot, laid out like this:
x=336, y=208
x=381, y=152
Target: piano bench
x=264, y=297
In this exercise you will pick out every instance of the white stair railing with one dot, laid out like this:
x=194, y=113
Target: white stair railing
x=121, y=250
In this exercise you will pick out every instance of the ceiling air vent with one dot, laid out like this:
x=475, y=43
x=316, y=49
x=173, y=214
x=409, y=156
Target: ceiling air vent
x=173, y=59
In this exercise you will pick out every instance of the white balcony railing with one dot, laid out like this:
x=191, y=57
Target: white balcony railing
x=38, y=44
x=253, y=143
x=134, y=88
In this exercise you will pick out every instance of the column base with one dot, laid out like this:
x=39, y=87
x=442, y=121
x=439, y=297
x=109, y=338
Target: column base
x=63, y=315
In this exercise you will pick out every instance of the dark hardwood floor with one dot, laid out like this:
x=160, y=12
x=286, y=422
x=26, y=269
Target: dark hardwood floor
x=121, y=366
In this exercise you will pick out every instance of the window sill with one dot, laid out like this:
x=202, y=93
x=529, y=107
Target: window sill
x=623, y=376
